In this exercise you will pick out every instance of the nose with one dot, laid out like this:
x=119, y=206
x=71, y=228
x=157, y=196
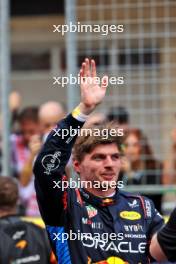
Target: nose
x=108, y=162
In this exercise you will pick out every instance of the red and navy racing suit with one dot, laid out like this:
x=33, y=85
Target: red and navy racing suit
x=131, y=218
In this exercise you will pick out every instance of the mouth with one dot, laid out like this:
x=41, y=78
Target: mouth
x=108, y=176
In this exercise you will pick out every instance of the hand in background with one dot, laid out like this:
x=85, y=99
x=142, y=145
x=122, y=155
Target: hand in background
x=35, y=144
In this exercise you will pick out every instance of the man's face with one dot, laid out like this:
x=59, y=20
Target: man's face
x=28, y=129
x=48, y=122
x=102, y=164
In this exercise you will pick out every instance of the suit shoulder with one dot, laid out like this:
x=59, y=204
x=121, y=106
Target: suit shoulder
x=135, y=199
x=129, y=195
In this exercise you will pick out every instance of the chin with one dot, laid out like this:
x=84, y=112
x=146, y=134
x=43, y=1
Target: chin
x=108, y=183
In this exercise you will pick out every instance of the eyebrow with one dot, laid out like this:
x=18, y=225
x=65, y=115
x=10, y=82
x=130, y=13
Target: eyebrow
x=104, y=154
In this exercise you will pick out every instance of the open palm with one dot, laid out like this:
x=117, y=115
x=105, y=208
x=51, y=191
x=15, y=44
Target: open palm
x=92, y=93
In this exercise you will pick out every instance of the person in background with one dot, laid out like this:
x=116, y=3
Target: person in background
x=25, y=147
x=14, y=105
x=169, y=175
x=139, y=165
x=95, y=119
x=21, y=241
x=163, y=244
x=169, y=170
x=120, y=115
x=49, y=113
x=0, y=143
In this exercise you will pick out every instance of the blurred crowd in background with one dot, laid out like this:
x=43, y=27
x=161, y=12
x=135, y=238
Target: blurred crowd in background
x=144, y=54
x=31, y=125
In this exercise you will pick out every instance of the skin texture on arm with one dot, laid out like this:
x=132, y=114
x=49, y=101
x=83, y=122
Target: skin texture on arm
x=156, y=251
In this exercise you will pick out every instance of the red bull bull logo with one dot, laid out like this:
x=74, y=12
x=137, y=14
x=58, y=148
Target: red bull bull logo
x=107, y=201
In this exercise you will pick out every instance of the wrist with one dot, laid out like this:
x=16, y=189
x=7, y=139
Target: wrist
x=79, y=114
x=85, y=109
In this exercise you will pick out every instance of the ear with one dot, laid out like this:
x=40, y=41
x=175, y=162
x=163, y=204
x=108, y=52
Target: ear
x=76, y=166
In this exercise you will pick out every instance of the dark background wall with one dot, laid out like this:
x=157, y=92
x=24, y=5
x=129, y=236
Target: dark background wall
x=39, y=7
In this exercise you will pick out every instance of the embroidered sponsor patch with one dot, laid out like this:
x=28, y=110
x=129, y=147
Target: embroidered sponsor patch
x=91, y=211
x=130, y=215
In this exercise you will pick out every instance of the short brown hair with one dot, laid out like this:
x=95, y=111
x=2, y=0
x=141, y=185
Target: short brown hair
x=8, y=193
x=29, y=114
x=87, y=142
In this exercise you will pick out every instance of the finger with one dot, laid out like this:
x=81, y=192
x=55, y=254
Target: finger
x=83, y=69
x=82, y=78
x=81, y=73
x=87, y=67
x=93, y=66
x=104, y=82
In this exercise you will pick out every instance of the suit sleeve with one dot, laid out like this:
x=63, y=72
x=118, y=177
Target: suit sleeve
x=155, y=219
x=49, y=170
x=167, y=237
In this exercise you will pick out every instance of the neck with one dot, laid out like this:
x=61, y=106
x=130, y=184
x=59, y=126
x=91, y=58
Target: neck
x=4, y=213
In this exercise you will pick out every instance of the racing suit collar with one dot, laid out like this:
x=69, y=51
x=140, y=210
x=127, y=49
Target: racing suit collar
x=99, y=201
